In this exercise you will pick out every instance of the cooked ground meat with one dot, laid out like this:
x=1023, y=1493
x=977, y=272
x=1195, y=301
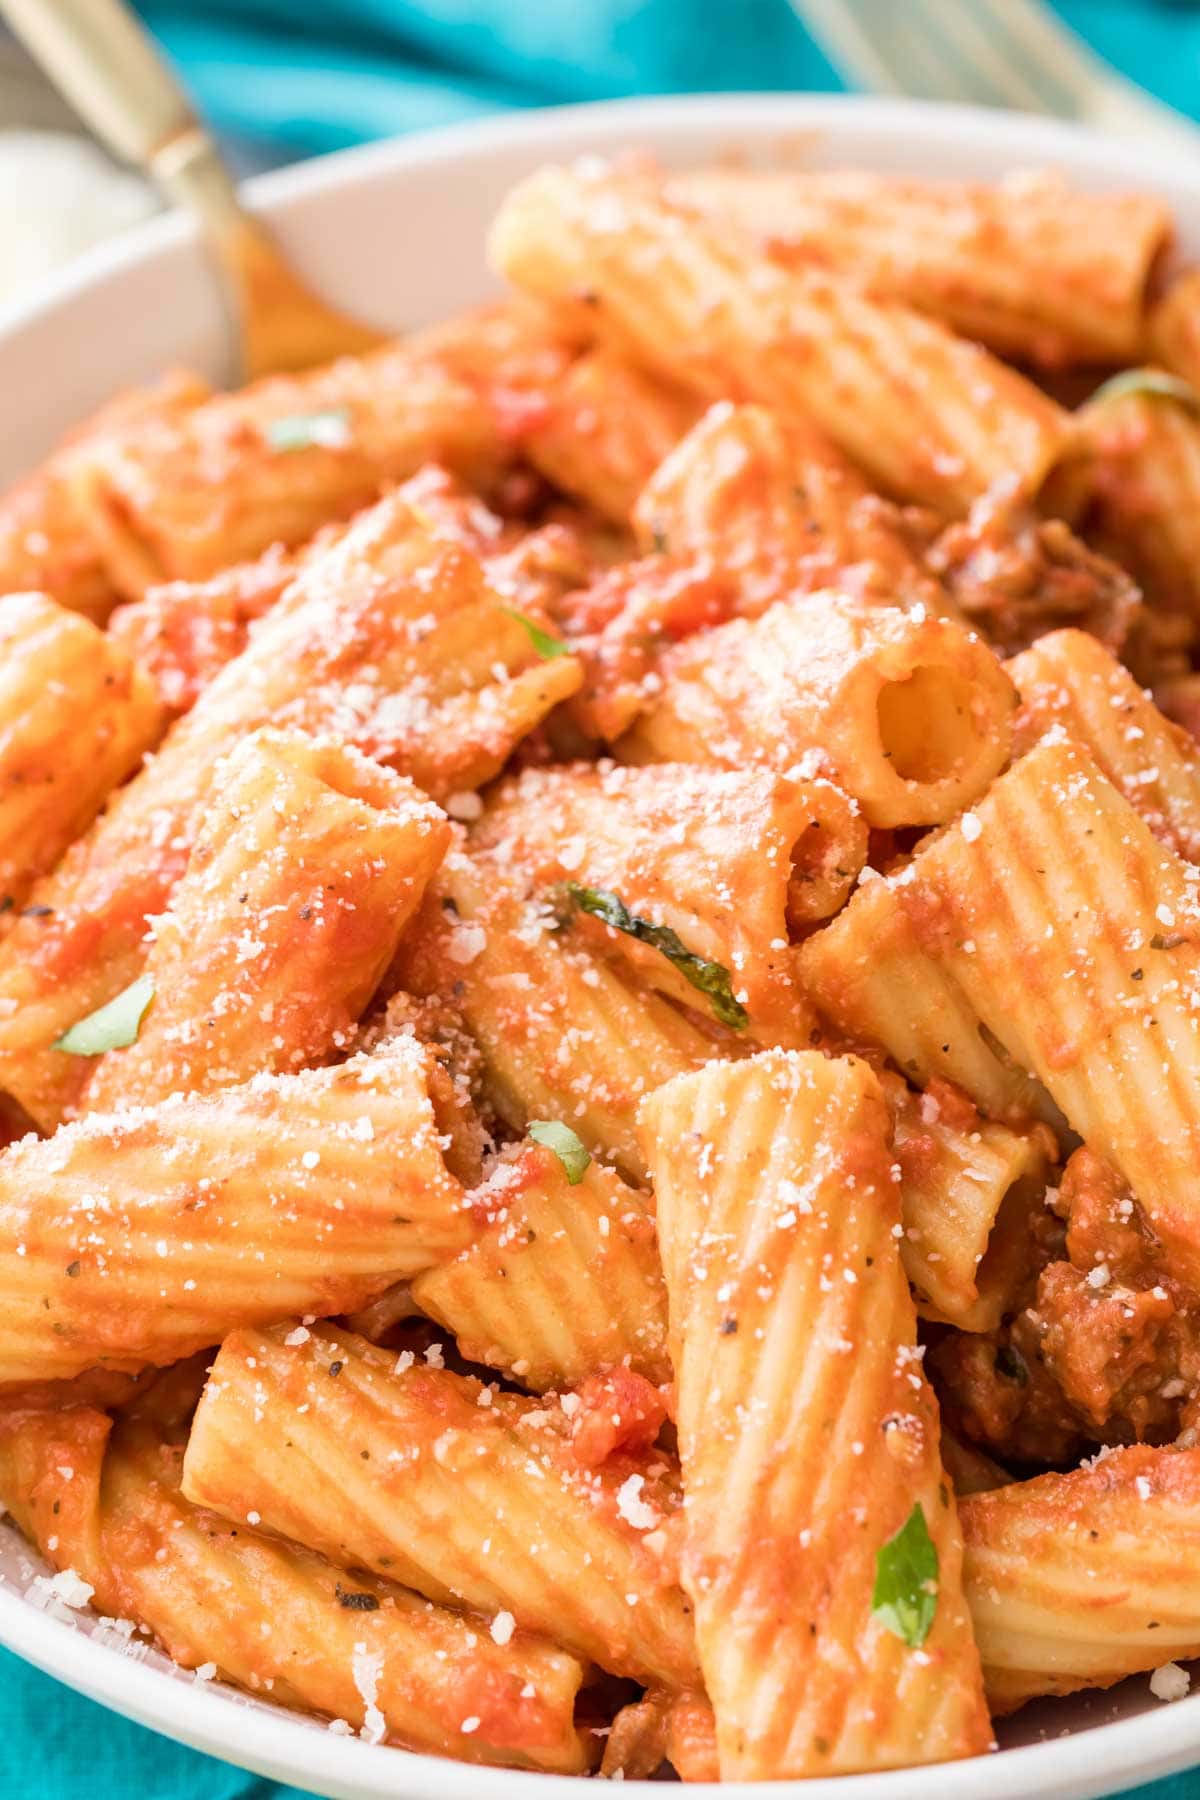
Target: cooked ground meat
x=1107, y=1350
x=1016, y=576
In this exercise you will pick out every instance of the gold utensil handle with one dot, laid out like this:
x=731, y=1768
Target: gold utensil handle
x=102, y=60
x=97, y=54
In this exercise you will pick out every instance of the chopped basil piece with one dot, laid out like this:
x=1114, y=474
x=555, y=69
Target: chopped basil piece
x=1155, y=383
x=565, y=1145
x=710, y=978
x=546, y=646
x=110, y=1027
x=904, y=1598
x=329, y=430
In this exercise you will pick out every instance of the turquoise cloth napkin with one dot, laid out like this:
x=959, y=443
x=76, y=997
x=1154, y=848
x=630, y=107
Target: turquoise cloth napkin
x=287, y=82
x=366, y=68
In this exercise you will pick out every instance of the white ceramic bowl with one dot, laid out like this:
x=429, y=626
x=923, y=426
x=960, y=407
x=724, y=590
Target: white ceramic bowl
x=396, y=232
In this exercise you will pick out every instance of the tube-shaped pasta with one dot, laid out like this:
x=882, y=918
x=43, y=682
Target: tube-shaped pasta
x=563, y=1281
x=1078, y=1580
x=76, y=716
x=138, y=1237
x=389, y=641
x=274, y=1618
x=1069, y=679
x=183, y=633
x=967, y=1186
x=45, y=541
x=1173, y=327
x=309, y=863
x=483, y=1504
x=1137, y=458
x=808, y=1436
x=563, y=1033
x=777, y=512
x=1038, y=271
x=869, y=974
x=726, y=859
x=928, y=415
x=272, y=462
x=604, y=428
x=1054, y=890
x=910, y=714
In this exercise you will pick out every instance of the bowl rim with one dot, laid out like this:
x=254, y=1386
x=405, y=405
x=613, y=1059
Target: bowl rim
x=950, y=125
x=291, y=1747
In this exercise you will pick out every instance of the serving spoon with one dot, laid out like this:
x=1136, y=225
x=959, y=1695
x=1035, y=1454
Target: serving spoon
x=100, y=58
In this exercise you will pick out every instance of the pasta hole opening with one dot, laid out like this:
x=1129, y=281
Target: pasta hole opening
x=926, y=725
x=823, y=870
x=1003, y=1267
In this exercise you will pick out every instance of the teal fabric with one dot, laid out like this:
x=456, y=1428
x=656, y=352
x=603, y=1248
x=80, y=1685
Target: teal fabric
x=295, y=81
x=287, y=81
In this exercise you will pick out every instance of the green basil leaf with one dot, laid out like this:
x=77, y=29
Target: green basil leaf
x=565, y=1145
x=904, y=1598
x=330, y=430
x=1155, y=383
x=546, y=646
x=110, y=1027
x=710, y=978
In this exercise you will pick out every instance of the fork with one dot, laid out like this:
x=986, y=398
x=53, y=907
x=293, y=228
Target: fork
x=1009, y=53
x=102, y=61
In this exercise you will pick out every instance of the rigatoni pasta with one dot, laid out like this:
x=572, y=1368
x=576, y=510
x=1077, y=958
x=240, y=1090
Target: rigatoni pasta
x=604, y=428
x=562, y=1032
x=1132, y=473
x=308, y=864
x=598, y=991
x=76, y=717
x=968, y=1186
x=105, y=1507
x=562, y=1282
x=1038, y=271
x=390, y=641
x=703, y=307
x=46, y=539
x=699, y=877
x=792, y=1330
x=777, y=511
x=910, y=714
x=139, y=1236
x=1054, y=883
x=874, y=979
x=1079, y=1579
x=482, y=1503
x=1069, y=679
x=182, y=499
